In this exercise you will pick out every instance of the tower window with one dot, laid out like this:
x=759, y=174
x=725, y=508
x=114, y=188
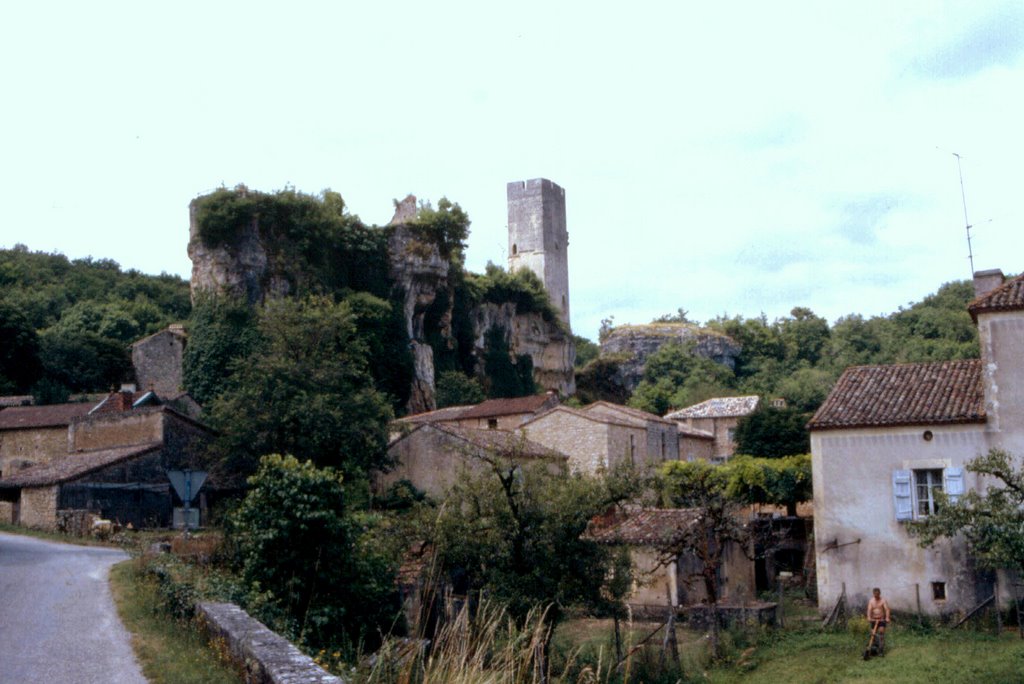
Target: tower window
x=515, y=250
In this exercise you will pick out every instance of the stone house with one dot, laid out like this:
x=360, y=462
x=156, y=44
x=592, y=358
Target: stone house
x=659, y=577
x=888, y=438
x=602, y=437
x=719, y=416
x=113, y=463
x=695, y=444
x=30, y=435
x=157, y=361
x=505, y=414
x=434, y=456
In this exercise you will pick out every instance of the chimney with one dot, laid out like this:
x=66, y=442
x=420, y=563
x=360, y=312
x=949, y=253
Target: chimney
x=986, y=281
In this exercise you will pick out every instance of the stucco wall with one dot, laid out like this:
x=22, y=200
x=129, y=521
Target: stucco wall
x=584, y=441
x=853, y=499
x=39, y=507
x=650, y=579
x=1002, y=349
x=432, y=460
x=38, y=445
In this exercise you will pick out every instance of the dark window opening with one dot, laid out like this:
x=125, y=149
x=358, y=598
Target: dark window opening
x=515, y=250
x=938, y=591
x=492, y=423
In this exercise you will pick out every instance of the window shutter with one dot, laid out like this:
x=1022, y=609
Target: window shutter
x=954, y=483
x=902, y=494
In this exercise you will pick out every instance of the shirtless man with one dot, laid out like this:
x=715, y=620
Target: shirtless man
x=878, y=612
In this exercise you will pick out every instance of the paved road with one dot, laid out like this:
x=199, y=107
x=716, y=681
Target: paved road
x=58, y=623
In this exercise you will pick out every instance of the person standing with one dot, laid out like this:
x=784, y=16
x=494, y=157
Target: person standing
x=879, y=615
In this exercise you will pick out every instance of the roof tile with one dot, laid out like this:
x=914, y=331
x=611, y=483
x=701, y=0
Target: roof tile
x=718, y=407
x=73, y=466
x=646, y=527
x=904, y=394
x=505, y=407
x=52, y=415
x=1007, y=297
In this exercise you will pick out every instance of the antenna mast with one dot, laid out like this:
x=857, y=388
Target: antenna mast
x=967, y=224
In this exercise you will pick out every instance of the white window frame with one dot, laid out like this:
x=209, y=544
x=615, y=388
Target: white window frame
x=907, y=487
x=927, y=481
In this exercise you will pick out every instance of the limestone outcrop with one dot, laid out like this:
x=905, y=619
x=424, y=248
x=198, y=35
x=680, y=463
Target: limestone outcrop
x=635, y=343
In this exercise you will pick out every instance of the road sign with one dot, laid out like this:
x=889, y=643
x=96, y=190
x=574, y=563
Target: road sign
x=187, y=483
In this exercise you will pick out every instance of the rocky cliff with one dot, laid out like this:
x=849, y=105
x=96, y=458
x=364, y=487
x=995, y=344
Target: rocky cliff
x=249, y=265
x=634, y=343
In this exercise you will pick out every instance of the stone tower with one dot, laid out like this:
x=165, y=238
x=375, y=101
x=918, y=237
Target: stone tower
x=537, y=237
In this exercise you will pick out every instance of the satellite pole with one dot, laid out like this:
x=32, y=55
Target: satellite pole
x=967, y=224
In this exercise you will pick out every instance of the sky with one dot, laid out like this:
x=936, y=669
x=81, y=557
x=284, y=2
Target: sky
x=725, y=158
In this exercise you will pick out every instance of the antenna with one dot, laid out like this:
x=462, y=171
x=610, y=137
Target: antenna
x=967, y=224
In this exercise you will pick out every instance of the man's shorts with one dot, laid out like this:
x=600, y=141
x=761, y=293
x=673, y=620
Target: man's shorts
x=881, y=623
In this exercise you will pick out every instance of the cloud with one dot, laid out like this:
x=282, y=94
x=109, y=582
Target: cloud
x=994, y=40
x=859, y=219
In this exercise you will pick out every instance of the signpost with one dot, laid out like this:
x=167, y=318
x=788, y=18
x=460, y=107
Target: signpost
x=187, y=484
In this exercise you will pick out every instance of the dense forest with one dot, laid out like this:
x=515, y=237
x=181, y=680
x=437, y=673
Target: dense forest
x=65, y=325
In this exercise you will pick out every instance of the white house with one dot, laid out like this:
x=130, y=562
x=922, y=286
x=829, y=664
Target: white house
x=888, y=437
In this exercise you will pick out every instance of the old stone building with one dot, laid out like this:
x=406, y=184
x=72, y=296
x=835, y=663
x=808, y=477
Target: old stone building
x=603, y=436
x=719, y=416
x=112, y=462
x=30, y=435
x=434, y=456
x=888, y=438
x=157, y=361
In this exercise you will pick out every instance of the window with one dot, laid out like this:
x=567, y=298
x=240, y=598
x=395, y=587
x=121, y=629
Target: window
x=492, y=423
x=664, y=448
x=926, y=484
x=914, y=491
x=632, y=449
x=938, y=591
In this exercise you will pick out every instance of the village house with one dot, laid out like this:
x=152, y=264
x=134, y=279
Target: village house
x=602, y=436
x=30, y=435
x=888, y=438
x=434, y=456
x=659, y=577
x=718, y=416
x=113, y=464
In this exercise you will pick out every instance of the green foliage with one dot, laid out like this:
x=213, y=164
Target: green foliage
x=601, y=380
x=381, y=327
x=296, y=540
x=320, y=247
x=19, y=350
x=773, y=432
x=506, y=377
x=447, y=227
x=522, y=287
x=515, y=532
x=456, y=389
x=674, y=377
x=586, y=351
x=782, y=481
x=220, y=331
x=83, y=362
x=304, y=390
x=992, y=521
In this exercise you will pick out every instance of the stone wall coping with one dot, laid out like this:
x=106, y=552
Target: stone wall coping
x=267, y=657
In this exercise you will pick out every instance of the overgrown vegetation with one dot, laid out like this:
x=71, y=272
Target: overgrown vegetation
x=65, y=325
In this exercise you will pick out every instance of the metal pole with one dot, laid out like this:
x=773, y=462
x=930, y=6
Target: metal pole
x=967, y=223
x=188, y=497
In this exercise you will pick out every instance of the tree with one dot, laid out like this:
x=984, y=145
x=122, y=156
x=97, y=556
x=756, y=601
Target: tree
x=782, y=481
x=516, y=532
x=717, y=523
x=586, y=351
x=675, y=376
x=299, y=548
x=304, y=390
x=506, y=378
x=19, y=350
x=455, y=388
x=992, y=521
x=773, y=432
x=220, y=330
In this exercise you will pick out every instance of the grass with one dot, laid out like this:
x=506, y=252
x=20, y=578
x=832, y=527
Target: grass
x=170, y=652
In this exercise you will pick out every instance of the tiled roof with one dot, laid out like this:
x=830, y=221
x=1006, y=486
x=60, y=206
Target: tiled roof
x=17, y=400
x=53, y=415
x=1007, y=297
x=126, y=400
x=644, y=527
x=904, y=394
x=438, y=416
x=73, y=466
x=606, y=408
x=688, y=431
x=719, y=407
x=505, y=407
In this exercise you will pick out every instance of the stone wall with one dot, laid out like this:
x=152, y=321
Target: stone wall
x=103, y=430
x=583, y=440
x=21, y=448
x=157, y=361
x=538, y=239
x=694, y=448
x=39, y=507
x=265, y=657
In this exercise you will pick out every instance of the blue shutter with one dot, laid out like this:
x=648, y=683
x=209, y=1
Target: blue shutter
x=954, y=483
x=902, y=494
